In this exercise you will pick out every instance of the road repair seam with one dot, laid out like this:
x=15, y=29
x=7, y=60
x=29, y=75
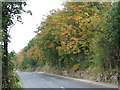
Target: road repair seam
x=108, y=85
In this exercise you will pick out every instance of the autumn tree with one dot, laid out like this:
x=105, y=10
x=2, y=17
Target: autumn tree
x=80, y=36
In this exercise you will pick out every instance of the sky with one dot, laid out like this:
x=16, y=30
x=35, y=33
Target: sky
x=21, y=34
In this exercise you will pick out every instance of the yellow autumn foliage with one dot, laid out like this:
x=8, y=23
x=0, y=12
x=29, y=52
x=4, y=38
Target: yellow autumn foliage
x=76, y=67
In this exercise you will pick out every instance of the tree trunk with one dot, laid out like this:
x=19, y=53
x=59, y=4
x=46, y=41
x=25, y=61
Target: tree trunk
x=5, y=64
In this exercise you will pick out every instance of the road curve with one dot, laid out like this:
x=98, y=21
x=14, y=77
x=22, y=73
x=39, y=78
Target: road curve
x=42, y=80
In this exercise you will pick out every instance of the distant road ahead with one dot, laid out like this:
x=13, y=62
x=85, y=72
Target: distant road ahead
x=42, y=80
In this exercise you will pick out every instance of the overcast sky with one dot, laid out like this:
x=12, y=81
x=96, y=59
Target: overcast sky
x=22, y=33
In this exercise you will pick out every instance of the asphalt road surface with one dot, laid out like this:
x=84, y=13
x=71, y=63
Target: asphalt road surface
x=42, y=80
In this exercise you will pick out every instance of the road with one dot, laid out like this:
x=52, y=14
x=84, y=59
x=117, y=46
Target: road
x=42, y=80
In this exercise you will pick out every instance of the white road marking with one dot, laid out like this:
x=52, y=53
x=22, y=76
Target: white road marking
x=50, y=82
x=34, y=75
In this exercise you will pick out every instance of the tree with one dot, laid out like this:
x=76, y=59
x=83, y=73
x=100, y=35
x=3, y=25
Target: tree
x=11, y=11
x=79, y=36
x=114, y=34
x=106, y=39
